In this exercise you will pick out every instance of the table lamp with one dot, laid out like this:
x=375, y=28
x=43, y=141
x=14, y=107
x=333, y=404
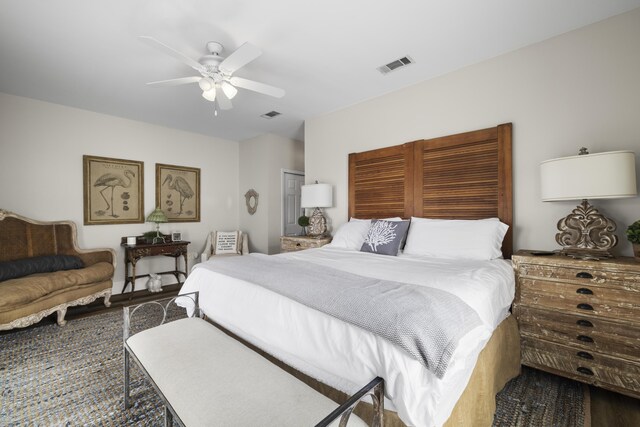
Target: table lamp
x=585, y=233
x=157, y=216
x=316, y=196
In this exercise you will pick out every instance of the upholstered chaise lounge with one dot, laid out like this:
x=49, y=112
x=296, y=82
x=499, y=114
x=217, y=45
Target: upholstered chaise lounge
x=58, y=274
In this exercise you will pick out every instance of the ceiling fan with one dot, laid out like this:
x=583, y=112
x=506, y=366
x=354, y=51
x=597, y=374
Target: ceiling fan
x=216, y=78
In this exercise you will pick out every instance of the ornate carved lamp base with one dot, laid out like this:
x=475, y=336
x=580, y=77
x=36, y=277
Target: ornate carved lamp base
x=317, y=224
x=586, y=234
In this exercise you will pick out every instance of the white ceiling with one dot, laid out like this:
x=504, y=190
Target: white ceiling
x=85, y=53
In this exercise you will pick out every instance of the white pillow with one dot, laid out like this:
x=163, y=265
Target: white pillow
x=479, y=239
x=351, y=235
x=227, y=242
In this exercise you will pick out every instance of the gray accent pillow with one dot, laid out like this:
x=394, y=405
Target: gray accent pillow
x=385, y=237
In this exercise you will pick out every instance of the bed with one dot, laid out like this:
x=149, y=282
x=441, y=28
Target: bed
x=464, y=176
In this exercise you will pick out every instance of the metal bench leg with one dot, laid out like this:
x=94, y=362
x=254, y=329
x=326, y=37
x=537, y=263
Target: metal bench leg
x=168, y=417
x=127, y=399
x=378, y=405
x=375, y=389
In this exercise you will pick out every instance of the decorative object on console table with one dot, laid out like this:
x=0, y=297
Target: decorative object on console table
x=113, y=191
x=580, y=319
x=132, y=254
x=316, y=196
x=303, y=222
x=158, y=217
x=299, y=243
x=633, y=235
x=178, y=192
x=585, y=233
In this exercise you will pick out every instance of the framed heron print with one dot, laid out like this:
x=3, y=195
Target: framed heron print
x=113, y=191
x=178, y=192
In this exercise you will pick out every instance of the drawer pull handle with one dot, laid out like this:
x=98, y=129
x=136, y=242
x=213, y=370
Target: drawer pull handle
x=586, y=323
x=584, y=307
x=297, y=244
x=585, y=371
x=584, y=275
x=584, y=338
x=584, y=291
x=585, y=355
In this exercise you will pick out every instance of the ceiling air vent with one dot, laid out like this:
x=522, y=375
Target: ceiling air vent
x=394, y=65
x=270, y=115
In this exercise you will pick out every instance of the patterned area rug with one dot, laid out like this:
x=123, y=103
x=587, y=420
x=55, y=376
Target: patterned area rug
x=72, y=376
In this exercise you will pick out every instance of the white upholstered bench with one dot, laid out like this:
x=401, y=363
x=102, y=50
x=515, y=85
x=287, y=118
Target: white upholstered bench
x=207, y=378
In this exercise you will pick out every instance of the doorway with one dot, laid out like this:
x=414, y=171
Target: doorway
x=291, y=210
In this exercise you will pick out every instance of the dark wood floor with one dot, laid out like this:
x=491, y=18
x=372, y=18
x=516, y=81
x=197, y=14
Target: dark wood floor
x=608, y=409
x=121, y=300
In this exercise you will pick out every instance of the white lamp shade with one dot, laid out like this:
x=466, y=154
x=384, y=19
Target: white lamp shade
x=607, y=175
x=316, y=196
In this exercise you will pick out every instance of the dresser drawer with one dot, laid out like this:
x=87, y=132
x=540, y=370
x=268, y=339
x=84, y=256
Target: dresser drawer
x=586, y=332
x=586, y=275
x=580, y=319
x=589, y=367
x=613, y=302
x=299, y=243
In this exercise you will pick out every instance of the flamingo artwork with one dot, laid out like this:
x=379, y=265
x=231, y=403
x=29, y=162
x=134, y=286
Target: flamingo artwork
x=180, y=185
x=112, y=180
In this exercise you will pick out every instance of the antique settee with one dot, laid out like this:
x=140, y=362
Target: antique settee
x=43, y=271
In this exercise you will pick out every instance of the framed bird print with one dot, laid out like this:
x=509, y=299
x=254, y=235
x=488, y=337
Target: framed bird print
x=178, y=192
x=113, y=191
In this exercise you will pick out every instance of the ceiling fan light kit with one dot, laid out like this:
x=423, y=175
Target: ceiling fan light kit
x=206, y=83
x=209, y=95
x=228, y=89
x=216, y=78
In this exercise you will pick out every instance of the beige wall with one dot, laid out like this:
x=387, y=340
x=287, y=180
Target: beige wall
x=261, y=162
x=578, y=89
x=42, y=145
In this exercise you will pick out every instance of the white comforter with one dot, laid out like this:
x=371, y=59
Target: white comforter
x=345, y=356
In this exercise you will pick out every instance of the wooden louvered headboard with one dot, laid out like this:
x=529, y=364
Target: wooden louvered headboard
x=463, y=176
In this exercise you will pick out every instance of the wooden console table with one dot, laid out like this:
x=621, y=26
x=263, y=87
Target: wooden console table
x=132, y=253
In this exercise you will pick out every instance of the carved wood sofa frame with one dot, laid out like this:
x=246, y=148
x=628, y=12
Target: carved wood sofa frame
x=21, y=237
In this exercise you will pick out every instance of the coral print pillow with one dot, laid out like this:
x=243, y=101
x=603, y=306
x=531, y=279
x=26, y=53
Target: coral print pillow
x=385, y=237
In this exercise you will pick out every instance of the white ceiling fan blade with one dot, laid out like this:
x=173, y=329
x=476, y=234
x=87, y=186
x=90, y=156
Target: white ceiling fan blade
x=176, y=82
x=241, y=57
x=172, y=52
x=257, y=87
x=223, y=101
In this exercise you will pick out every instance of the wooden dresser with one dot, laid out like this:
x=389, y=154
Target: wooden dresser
x=580, y=319
x=298, y=243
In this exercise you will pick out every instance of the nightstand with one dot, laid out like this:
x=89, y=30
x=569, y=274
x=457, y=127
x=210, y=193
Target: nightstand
x=580, y=319
x=298, y=243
